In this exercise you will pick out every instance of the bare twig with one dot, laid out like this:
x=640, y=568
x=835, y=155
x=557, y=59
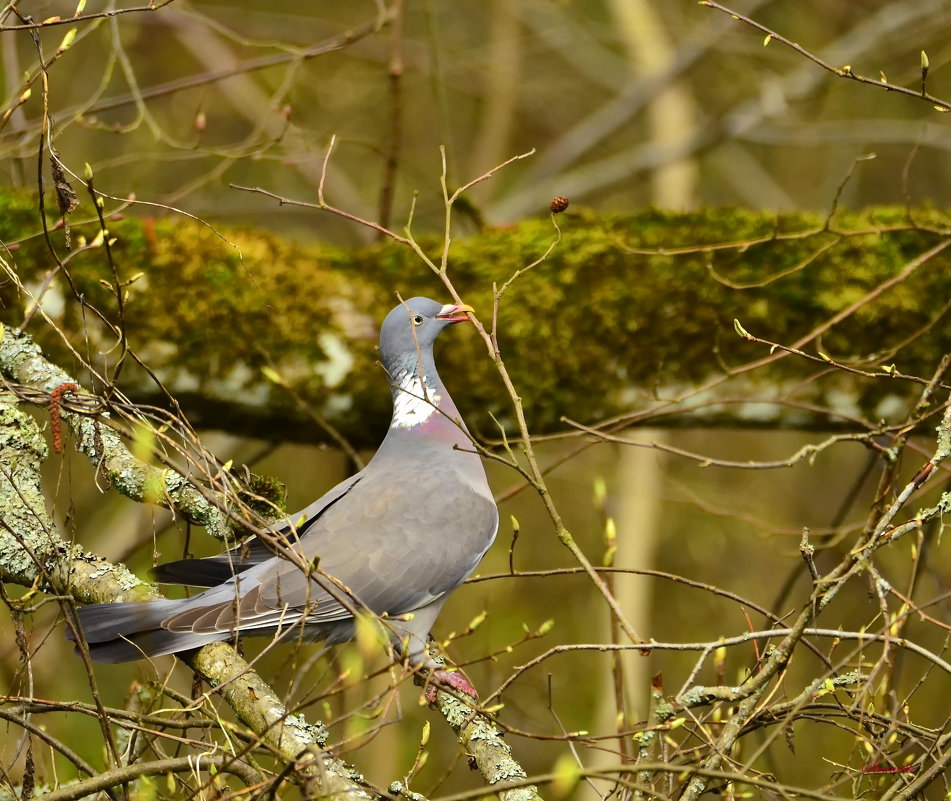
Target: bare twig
x=844, y=71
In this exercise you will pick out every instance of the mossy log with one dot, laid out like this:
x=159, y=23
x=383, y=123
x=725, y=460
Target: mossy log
x=610, y=322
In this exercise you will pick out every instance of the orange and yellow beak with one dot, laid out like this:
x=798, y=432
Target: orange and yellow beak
x=455, y=314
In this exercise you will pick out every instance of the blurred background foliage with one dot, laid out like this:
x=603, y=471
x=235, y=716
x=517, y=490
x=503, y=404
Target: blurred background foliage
x=627, y=104
x=136, y=97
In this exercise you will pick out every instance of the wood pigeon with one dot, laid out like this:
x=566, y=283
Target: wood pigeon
x=394, y=539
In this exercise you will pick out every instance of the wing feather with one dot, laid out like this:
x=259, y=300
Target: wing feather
x=382, y=549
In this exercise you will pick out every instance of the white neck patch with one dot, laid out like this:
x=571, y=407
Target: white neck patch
x=414, y=402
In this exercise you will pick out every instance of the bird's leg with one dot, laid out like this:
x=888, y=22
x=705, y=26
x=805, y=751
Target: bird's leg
x=440, y=678
x=413, y=638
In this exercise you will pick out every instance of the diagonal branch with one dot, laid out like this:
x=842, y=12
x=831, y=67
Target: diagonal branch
x=482, y=739
x=844, y=71
x=21, y=360
x=31, y=552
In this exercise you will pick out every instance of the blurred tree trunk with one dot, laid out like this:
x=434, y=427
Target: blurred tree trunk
x=637, y=480
x=672, y=114
x=502, y=82
x=634, y=498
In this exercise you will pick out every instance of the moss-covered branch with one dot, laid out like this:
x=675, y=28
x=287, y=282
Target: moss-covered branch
x=614, y=318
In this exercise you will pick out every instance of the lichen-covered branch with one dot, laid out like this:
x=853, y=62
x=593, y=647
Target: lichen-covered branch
x=31, y=551
x=33, y=554
x=482, y=740
x=21, y=360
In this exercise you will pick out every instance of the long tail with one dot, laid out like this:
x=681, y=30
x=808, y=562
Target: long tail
x=124, y=632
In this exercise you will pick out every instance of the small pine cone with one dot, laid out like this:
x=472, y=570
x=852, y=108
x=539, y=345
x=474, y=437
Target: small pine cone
x=558, y=204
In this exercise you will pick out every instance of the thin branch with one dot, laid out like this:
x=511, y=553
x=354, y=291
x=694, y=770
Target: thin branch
x=123, y=775
x=844, y=71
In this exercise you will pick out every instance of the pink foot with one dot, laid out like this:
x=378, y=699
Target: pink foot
x=449, y=679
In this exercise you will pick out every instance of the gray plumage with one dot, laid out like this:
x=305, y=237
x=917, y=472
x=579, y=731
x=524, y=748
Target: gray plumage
x=396, y=538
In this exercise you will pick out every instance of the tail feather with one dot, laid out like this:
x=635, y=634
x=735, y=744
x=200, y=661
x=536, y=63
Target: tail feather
x=103, y=622
x=211, y=571
x=155, y=642
x=197, y=572
x=124, y=632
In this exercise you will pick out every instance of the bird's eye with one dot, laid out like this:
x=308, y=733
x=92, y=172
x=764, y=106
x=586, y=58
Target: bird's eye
x=417, y=319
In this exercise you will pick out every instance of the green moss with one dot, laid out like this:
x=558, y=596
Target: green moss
x=588, y=333
x=266, y=497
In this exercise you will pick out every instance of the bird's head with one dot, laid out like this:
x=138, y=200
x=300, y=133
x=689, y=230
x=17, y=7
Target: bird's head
x=412, y=327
